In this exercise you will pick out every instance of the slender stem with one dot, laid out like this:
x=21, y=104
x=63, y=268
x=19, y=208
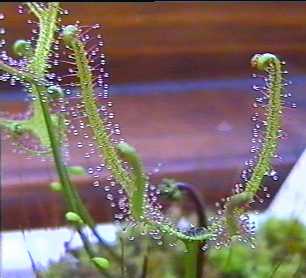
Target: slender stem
x=68, y=191
x=33, y=264
x=202, y=221
x=24, y=76
x=145, y=266
x=145, y=259
x=38, y=65
x=91, y=254
x=229, y=258
x=70, y=194
x=199, y=204
x=35, y=9
x=190, y=260
x=86, y=243
x=122, y=242
x=275, y=269
x=272, y=66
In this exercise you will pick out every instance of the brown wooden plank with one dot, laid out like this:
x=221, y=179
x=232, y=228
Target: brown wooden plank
x=162, y=41
x=201, y=138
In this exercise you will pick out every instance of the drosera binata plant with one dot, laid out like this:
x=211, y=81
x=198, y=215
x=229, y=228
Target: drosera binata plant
x=231, y=224
x=80, y=99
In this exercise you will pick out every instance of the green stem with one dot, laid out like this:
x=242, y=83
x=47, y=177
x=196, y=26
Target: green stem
x=97, y=124
x=70, y=194
x=21, y=75
x=234, y=207
x=202, y=220
x=190, y=260
x=123, y=268
x=38, y=66
x=272, y=66
x=91, y=254
x=36, y=9
x=67, y=186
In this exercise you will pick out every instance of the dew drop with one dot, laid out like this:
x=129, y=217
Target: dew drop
x=275, y=177
x=96, y=183
x=109, y=197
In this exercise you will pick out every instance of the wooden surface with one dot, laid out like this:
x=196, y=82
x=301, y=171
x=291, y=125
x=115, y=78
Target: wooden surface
x=167, y=41
x=202, y=134
x=200, y=137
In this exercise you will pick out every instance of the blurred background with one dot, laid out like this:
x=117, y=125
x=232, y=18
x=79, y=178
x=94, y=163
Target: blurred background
x=181, y=86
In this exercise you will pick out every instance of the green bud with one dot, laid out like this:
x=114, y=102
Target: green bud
x=23, y=48
x=55, y=92
x=69, y=33
x=18, y=129
x=126, y=151
x=238, y=200
x=168, y=188
x=74, y=218
x=55, y=186
x=101, y=263
x=76, y=171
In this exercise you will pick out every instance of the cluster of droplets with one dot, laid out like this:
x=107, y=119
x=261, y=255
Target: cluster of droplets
x=221, y=236
x=2, y=32
x=19, y=63
x=159, y=232
x=136, y=230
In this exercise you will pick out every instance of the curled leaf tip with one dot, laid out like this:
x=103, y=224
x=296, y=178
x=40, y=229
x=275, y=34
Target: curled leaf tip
x=261, y=61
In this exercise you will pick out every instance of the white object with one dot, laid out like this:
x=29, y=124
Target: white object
x=290, y=201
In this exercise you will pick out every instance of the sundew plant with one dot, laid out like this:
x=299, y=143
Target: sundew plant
x=77, y=104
